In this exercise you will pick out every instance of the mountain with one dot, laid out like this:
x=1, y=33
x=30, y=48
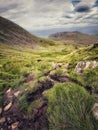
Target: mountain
x=76, y=37
x=12, y=34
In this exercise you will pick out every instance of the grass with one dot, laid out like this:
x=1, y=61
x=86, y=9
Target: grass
x=69, y=105
x=69, y=108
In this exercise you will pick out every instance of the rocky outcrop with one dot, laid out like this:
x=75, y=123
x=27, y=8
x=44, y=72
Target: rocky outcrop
x=82, y=65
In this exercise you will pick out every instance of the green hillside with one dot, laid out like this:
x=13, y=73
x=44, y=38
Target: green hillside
x=51, y=87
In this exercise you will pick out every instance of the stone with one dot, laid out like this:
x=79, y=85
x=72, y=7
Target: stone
x=87, y=64
x=66, y=65
x=94, y=64
x=54, y=65
x=95, y=111
x=9, y=90
x=82, y=65
x=14, y=125
x=16, y=94
x=7, y=107
x=2, y=120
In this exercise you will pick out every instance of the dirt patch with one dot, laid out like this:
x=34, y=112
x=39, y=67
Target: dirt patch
x=42, y=86
x=15, y=118
x=60, y=78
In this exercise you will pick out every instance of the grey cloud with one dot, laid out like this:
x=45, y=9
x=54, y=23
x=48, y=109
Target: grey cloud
x=39, y=14
x=84, y=5
x=67, y=16
x=7, y=8
x=82, y=8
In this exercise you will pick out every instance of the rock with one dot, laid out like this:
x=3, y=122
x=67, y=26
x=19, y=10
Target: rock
x=95, y=111
x=66, y=65
x=94, y=64
x=7, y=107
x=16, y=94
x=82, y=65
x=2, y=120
x=87, y=64
x=54, y=65
x=9, y=90
x=14, y=125
x=0, y=110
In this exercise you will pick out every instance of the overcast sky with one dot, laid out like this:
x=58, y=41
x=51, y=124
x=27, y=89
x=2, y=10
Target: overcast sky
x=35, y=15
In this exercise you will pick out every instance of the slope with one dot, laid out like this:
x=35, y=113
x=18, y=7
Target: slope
x=13, y=34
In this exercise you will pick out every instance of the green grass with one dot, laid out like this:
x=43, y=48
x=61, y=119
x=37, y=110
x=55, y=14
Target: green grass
x=69, y=108
x=69, y=105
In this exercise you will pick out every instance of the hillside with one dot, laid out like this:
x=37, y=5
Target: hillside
x=51, y=87
x=13, y=34
x=76, y=37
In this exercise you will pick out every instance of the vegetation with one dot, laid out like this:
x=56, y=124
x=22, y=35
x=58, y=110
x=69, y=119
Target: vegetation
x=69, y=108
x=69, y=104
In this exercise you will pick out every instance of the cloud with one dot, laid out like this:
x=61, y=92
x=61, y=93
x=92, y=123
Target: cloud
x=41, y=14
x=82, y=8
x=84, y=5
x=96, y=4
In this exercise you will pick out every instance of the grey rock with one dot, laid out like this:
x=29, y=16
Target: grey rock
x=82, y=65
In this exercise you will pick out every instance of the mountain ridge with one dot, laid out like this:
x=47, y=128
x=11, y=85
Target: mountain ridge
x=75, y=36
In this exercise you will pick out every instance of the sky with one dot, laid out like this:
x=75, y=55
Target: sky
x=43, y=17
